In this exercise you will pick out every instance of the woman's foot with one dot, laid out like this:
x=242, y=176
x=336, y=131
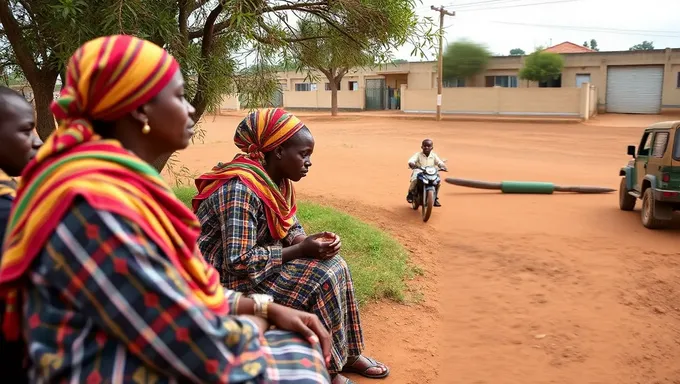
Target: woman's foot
x=340, y=379
x=367, y=367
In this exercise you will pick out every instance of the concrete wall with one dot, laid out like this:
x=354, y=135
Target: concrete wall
x=423, y=76
x=230, y=103
x=592, y=99
x=573, y=102
x=320, y=99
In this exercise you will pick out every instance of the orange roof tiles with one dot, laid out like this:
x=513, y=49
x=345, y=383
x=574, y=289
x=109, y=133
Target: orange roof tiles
x=568, y=47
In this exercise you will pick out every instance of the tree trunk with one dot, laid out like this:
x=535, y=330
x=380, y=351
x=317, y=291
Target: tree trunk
x=43, y=94
x=334, y=97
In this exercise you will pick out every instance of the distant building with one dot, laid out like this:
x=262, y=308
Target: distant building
x=568, y=47
x=645, y=82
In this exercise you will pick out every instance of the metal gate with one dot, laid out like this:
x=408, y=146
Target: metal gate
x=634, y=89
x=376, y=95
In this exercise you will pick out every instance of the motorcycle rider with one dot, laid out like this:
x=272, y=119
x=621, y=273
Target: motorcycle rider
x=425, y=158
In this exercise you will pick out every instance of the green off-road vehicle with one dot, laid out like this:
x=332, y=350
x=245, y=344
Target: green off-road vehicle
x=653, y=175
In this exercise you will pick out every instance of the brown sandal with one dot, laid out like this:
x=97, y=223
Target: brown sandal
x=349, y=368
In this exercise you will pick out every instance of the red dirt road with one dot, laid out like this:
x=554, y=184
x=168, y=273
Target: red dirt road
x=517, y=289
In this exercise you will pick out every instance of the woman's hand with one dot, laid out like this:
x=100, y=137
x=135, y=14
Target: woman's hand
x=321, y=246
x=306, y=324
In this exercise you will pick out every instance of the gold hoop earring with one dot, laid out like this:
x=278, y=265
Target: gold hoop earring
x=146, y=129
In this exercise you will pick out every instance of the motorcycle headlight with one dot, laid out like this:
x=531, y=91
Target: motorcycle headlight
x=431, y=170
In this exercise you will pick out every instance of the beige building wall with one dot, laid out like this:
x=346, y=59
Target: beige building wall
x=423, y=76
x=572, y=102
x=349, y=100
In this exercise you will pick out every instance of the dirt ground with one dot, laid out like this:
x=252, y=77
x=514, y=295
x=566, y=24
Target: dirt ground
x=517, y=288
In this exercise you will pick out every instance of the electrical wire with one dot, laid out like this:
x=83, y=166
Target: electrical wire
x=515, y=6
x=635, y=32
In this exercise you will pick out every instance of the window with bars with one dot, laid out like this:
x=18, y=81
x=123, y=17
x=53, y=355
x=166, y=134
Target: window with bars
x=501, y=81
x=305, y=87
x=454, y=83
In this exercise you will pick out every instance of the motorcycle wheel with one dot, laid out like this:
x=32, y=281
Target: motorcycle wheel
x=427, y=205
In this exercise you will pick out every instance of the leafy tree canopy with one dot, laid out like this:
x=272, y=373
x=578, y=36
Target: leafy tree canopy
x=542, y=66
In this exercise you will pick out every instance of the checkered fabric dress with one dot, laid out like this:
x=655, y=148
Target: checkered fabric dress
x=235, y=239
x=105, y=306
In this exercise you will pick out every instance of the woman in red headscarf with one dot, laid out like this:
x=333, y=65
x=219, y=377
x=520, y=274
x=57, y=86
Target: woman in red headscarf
x=102, y=257
x=250, y=233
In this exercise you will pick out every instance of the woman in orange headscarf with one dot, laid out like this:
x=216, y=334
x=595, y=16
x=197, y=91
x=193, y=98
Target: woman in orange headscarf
x=102, y=257
x=250, y=233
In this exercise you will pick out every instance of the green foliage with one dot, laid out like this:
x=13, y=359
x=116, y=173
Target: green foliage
x=517, y=52
x=379, y=264
x=212, y=39
x=644, y=46
x=463, y=59
x=542, y=66
x=593, y=45
x=364, y=39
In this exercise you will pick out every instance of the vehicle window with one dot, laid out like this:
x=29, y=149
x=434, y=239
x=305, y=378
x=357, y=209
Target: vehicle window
x=645, y=144
x=676, y=149
x=660, y=144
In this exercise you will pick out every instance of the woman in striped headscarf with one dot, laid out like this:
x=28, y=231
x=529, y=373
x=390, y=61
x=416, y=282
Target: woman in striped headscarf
x=249, y=232
x=102, y=257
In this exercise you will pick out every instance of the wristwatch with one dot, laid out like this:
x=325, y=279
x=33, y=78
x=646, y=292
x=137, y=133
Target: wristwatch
x=261, y=304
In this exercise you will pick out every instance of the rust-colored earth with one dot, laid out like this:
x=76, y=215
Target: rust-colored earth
x=518, y=288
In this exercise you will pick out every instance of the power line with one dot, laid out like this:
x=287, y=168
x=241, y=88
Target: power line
x=518, y=5
x=482, y=2
x=635, y=32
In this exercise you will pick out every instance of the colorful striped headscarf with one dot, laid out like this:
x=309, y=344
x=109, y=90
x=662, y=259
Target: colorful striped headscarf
x=106, y=78
x=260, y=132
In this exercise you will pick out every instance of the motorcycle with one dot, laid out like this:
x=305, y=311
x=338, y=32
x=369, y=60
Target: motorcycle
x=426, y=190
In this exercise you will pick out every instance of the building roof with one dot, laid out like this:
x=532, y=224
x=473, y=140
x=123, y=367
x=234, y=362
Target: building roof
x=568, y=47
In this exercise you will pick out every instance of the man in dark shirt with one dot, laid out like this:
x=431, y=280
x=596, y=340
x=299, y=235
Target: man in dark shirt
x=18, y=145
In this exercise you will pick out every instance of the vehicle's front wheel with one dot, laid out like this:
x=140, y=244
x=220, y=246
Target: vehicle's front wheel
x=626, y=201
x=648, y=211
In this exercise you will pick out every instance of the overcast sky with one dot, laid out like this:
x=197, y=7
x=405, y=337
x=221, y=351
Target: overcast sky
x=506, y=24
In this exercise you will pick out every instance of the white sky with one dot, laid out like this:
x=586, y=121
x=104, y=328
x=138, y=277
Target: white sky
x=615, y=24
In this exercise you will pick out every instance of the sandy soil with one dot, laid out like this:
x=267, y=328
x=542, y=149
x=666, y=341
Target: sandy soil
x=517, y=289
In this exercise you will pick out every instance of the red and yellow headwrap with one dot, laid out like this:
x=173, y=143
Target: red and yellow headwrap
x=260, y=132
x=106, y=78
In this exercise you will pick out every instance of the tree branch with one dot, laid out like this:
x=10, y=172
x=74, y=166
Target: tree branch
x=219, y=27
x=199, y=100
x=14, y=35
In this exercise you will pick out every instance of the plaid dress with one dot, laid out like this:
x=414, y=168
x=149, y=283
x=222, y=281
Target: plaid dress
x=235, y=239
x=103, y=305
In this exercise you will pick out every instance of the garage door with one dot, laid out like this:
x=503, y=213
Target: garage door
x=634, y=89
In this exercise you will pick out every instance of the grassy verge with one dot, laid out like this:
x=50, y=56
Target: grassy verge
x=379, y=264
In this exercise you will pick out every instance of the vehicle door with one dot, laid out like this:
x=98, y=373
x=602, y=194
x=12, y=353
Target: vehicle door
x=642, y=158
x=656, y=157
x=674, y=171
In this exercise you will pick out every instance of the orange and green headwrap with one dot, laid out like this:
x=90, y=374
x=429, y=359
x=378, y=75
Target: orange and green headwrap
x=110, y=76
x=260, y=132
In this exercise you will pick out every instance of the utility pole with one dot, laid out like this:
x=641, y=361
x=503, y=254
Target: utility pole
x=442, y=12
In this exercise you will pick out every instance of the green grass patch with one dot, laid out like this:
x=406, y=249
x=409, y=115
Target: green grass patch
x=379, y=264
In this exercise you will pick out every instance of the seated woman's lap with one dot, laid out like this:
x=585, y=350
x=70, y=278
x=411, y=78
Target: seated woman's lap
x=303, y=282
x=290, y=359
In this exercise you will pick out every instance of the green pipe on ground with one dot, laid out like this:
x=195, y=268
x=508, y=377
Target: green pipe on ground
x=535, y=187
x=528, y=187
